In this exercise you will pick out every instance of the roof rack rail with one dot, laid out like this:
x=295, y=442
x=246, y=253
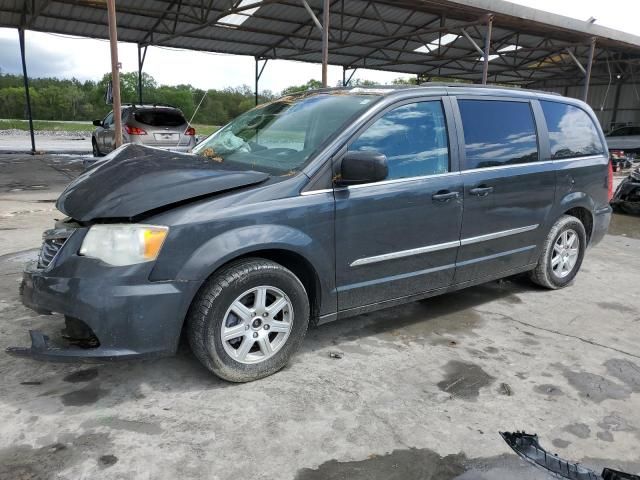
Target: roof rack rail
x=156, y=104
x=479, y=85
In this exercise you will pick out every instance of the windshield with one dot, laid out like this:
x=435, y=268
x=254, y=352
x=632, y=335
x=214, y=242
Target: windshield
x=281, y=136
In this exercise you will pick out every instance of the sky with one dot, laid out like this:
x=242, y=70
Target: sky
x=86, y=59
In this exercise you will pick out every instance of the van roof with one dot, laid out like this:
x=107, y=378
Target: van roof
x=450, y=87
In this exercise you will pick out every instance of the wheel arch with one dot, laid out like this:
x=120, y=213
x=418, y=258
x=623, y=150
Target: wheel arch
x=287, y=246
x=581, y=206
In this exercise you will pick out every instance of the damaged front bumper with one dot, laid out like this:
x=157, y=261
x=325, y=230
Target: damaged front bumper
x=124, y=315
x=528, y=448
x=627, y=195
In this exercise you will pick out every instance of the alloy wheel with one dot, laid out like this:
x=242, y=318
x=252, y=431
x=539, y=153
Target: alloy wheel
x=565, y=253
x=257, y=324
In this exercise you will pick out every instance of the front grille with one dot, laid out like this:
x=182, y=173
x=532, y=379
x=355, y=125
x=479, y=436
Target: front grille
x=53, y=242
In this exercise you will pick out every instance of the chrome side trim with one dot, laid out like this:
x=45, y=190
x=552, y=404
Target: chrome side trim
x=494, y=235
x=404, y=253
x=398, y=180
x=316, y=192
x=504, y=167
x=440, y=246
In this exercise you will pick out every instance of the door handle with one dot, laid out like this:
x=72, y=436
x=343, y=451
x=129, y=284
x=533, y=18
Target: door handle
x=444, y=196
x=481, y=191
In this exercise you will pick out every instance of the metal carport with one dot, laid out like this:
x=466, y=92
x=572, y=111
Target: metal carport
x=473, y=40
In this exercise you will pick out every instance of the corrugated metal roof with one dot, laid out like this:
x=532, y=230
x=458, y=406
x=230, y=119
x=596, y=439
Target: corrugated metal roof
x=381, y=34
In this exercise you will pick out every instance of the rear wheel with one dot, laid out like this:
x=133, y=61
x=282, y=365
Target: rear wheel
x=248, y=320
x=562, y=254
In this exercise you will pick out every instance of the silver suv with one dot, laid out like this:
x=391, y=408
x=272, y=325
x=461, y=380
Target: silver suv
x=161, y=126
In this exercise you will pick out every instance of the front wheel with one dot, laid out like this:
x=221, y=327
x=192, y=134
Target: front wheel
x=94, y=148
x=248, y=320
x=562, y=254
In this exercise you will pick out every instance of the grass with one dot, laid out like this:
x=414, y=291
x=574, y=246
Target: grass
x=201, y=130
x=46, y=125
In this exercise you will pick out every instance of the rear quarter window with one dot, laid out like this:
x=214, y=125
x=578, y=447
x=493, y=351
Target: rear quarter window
x=160, y=118
x=572, y=132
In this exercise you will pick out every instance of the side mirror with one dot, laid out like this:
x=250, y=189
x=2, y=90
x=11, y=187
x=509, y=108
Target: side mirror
x=366, y=166
x=97, y=123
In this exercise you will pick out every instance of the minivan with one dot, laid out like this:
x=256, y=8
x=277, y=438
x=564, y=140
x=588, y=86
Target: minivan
x=315, y=207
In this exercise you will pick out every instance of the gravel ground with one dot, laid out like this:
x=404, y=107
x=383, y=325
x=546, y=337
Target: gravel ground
x=45, y=133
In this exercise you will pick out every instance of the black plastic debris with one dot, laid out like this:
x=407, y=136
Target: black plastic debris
x=528, y=448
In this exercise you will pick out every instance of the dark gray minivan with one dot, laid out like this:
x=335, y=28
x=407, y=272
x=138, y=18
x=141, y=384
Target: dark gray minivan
x=315, y=207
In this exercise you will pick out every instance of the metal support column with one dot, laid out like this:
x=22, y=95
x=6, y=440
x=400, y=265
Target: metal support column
x=587, y=77
x=616, y=103
x=142, y=54
x=115, y=71
x=325, y=43
x=346, y=81
x=259, y=71
x=25, y=79
x=487, y=47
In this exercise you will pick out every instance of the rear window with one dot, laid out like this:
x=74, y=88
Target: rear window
x=498, y=132
x=160, y=118
x=571, y=131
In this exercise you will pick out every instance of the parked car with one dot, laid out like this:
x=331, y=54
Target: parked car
x=316, y=207
x=161, y=126
x=624, y=146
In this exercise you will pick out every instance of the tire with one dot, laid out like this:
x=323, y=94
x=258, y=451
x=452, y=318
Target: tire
x=217, y=304
x=553, y=273
x=94, y=148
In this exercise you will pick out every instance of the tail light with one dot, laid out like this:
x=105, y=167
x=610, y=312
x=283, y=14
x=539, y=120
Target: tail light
x=190, y=131
x=134, y=130
x=610, y=182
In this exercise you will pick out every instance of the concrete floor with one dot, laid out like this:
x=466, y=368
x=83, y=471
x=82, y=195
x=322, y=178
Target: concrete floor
x=49, y=143
x=421, y=391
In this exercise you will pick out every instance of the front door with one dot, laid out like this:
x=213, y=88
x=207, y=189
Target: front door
x=399, y=237
x=508, y=191
x=106, y=138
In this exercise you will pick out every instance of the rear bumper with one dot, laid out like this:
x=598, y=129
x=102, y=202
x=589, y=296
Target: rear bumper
x=131, y=317
x=601, y=220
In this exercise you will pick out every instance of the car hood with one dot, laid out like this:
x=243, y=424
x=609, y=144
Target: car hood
x=135, y=179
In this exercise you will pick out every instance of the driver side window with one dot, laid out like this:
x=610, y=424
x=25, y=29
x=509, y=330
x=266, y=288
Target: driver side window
x=413, y=137
x=108, y=120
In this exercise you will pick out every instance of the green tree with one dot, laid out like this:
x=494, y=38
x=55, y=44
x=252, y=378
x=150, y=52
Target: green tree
x=310, y=85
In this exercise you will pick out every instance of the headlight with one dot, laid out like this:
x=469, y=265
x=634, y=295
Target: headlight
x=124, y=244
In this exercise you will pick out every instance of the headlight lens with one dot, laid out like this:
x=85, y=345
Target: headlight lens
x=124, y=244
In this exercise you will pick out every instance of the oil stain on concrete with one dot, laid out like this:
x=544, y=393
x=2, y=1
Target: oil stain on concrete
x=23, y=462
x=398, y=465
x=464, y=380
x=596, y=387
x=107, y=461
x=580, y=430
x=625, y=371
x=424, y=464
x=559, y=443
x=85, y=396
x=548, y=389
x=81, y=376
